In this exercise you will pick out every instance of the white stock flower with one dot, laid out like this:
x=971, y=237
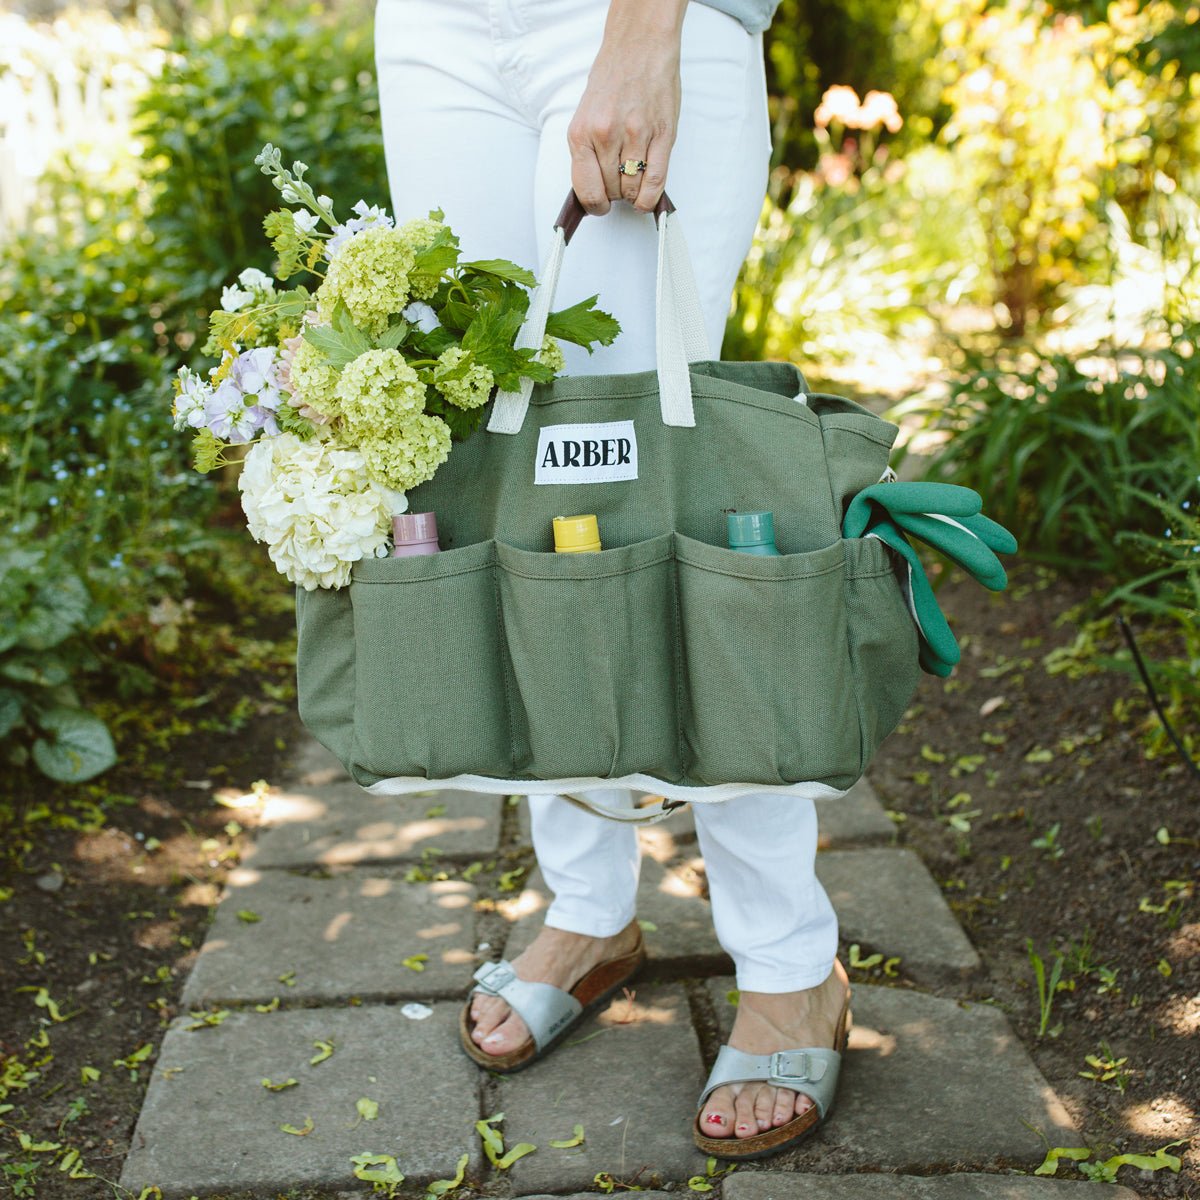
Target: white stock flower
x=191, y=399
x=253, y=278
x=314, y=506
x=368, y=215
x=305, y=221
x=234, y=299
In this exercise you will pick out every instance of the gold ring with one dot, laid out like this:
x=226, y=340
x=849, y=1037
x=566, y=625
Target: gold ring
x=631, y=166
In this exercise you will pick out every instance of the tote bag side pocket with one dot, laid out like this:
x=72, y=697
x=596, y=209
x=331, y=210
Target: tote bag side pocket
x=325, y=669
x=882, y=640
x=430, y=688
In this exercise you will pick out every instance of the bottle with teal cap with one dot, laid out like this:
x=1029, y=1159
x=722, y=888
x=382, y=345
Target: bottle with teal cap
x=752, y=532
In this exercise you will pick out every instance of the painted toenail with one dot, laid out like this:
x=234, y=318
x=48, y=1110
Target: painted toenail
x=492, y=1039
x=743, y=1128
x=715, y=1119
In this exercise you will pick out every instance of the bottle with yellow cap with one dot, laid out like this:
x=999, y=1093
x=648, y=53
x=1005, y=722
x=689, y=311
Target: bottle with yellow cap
x=576, y=535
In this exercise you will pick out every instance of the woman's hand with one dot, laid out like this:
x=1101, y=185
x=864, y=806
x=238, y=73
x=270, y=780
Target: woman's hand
x=630, y=107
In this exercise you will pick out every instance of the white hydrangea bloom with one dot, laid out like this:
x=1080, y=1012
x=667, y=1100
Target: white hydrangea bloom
x=314, y=506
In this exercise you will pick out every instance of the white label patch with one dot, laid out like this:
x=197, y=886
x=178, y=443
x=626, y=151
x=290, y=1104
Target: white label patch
x=605, y=452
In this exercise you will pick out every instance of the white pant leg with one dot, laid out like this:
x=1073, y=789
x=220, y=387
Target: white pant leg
x=717, y=179
x=770, y=911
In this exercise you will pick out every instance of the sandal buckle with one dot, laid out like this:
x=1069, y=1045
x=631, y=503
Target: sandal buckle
x=788, y=1067
x=495, y=976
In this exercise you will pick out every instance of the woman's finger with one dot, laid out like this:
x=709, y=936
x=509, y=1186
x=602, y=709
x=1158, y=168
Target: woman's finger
x=631, y=184
x=586, y=177
x=654, y=177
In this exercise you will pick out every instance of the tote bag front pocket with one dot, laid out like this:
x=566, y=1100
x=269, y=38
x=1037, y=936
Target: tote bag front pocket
x=430, y=674
x=770, y=697
x=591, y=644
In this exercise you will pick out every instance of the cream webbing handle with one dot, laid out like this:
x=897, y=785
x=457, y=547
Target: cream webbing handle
x=680, y=333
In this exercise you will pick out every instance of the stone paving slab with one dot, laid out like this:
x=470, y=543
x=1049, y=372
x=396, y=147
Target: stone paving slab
x=346, y=935
x=856, y=817
x=682, y=940
x=630, y=1077
x=886, y=898
x=928, y=1083
x=339, y=824
x=312, y=765
x=770, y=1185
x=208, y=1124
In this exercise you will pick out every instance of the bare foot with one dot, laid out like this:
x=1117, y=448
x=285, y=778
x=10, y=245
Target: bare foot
x=767, y=1022
x=556, y=957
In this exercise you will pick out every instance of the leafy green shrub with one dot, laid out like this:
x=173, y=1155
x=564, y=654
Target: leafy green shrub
x=1060, y=455
x=296, y=78
x=46, y=612
x=1169, y=593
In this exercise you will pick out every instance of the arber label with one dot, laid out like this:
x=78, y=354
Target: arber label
x=605, y=452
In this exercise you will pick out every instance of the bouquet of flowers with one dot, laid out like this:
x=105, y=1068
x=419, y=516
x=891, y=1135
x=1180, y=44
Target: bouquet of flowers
x=354, y=393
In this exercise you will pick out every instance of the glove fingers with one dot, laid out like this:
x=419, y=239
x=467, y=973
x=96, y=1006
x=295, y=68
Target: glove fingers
x=957, y=543
x=992, y=533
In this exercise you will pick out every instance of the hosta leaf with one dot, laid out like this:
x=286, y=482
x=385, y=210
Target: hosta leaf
x=79, y=747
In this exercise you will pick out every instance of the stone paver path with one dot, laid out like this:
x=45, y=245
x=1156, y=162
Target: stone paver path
x=345, y=941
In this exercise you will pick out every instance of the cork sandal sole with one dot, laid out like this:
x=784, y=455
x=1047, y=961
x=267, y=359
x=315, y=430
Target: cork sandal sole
x=591, y=991
x=771, y=1141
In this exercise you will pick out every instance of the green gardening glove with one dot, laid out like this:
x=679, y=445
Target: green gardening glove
x=938, y=648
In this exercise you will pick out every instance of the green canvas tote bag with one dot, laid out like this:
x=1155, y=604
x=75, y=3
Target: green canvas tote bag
x=665, y=661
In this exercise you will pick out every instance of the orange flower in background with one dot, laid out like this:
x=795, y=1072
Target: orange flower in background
x=840, y=103
x=879, y=108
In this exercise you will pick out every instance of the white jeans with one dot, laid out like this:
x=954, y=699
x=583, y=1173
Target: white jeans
x=475, y=100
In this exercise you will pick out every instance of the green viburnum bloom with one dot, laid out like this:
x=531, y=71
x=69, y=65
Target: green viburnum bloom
x=464, y=382
x=313, y=380
x=551, y=354
x=378, y=390
x=404, y=457
x=370, y=274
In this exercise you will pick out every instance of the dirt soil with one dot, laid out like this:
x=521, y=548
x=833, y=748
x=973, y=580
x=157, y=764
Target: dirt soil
x=1058, y=840
x=1030, y=799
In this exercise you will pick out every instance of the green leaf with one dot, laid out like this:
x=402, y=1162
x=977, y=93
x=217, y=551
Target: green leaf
x=290, y=421
x=583, y=324
x=439, y=1187
x=393, y=336
x=10, y=710
x=502, y=269
x=324, y=1050
x=575, y=1140
x=1050, y=1162
x=415, y=962
x=518, y=1151
x=389, y=1174
x=279, y=1087
x=61, y=607
x=343, y=322
x=367, y=1109
x=698, y=1183
x=81, y=746
x=304, y=1132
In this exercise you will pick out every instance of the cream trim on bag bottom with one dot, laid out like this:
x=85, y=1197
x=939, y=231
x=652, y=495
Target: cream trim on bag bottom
x=672, y=795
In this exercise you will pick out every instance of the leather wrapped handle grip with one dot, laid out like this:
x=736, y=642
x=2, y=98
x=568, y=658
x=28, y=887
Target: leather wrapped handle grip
x=572, y=212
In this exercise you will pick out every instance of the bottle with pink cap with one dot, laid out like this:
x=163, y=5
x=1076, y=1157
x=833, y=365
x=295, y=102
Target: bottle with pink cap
x=413, y=534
